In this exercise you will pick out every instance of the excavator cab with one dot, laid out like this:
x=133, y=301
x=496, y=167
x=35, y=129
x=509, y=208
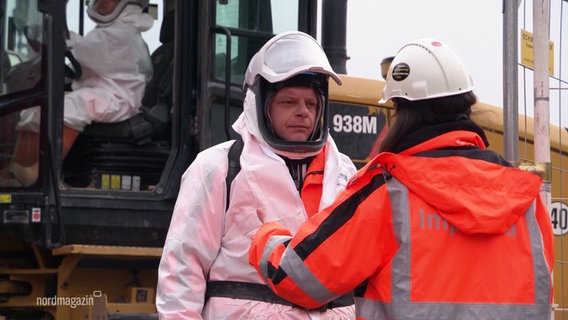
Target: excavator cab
x=119, y=180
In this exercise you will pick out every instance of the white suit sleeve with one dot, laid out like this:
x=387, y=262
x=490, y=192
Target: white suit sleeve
x=98, y=50
x=194, y=237
x=73, y=38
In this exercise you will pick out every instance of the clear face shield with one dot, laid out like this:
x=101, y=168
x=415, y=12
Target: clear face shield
x=287, y=55
x=316, y=81
x=104, y=7
x=105, y=11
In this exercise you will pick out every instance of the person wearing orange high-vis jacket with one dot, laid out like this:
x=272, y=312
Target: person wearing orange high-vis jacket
x=434, y=227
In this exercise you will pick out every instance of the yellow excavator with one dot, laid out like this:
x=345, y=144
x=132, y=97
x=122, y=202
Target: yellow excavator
x=84, y=239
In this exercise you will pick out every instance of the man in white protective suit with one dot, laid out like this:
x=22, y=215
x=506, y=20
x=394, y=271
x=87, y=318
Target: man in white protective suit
x=289, y=164
x=116, y=66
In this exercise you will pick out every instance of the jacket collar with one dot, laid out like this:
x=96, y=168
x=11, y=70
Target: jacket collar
x=429, y=132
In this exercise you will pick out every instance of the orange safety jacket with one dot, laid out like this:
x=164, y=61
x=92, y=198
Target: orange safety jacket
x=313, y=184
x=443, y=230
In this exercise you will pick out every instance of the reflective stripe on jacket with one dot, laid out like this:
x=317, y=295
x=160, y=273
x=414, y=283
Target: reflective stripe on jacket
x=453, y=234
x=518, y=283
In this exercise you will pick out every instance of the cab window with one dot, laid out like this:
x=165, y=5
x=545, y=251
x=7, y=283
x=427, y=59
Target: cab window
x=250, y=23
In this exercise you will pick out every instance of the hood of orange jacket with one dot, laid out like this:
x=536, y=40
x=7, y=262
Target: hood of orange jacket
x=473, y=188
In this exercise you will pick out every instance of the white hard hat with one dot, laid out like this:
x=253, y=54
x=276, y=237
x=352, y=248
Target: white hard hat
x=98, y=17
x=425, y=69
x=286, y=55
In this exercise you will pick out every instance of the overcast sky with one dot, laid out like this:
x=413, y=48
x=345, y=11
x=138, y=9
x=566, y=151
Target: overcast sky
x=474, y=29
x=378, y=28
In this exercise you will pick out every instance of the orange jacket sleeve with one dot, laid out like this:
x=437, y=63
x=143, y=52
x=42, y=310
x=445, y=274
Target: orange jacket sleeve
x=328, y=255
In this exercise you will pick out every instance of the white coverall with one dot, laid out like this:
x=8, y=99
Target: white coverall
x=204, y=241
x=116, y=66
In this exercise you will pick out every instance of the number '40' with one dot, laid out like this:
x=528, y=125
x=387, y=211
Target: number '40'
x=559, y=218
